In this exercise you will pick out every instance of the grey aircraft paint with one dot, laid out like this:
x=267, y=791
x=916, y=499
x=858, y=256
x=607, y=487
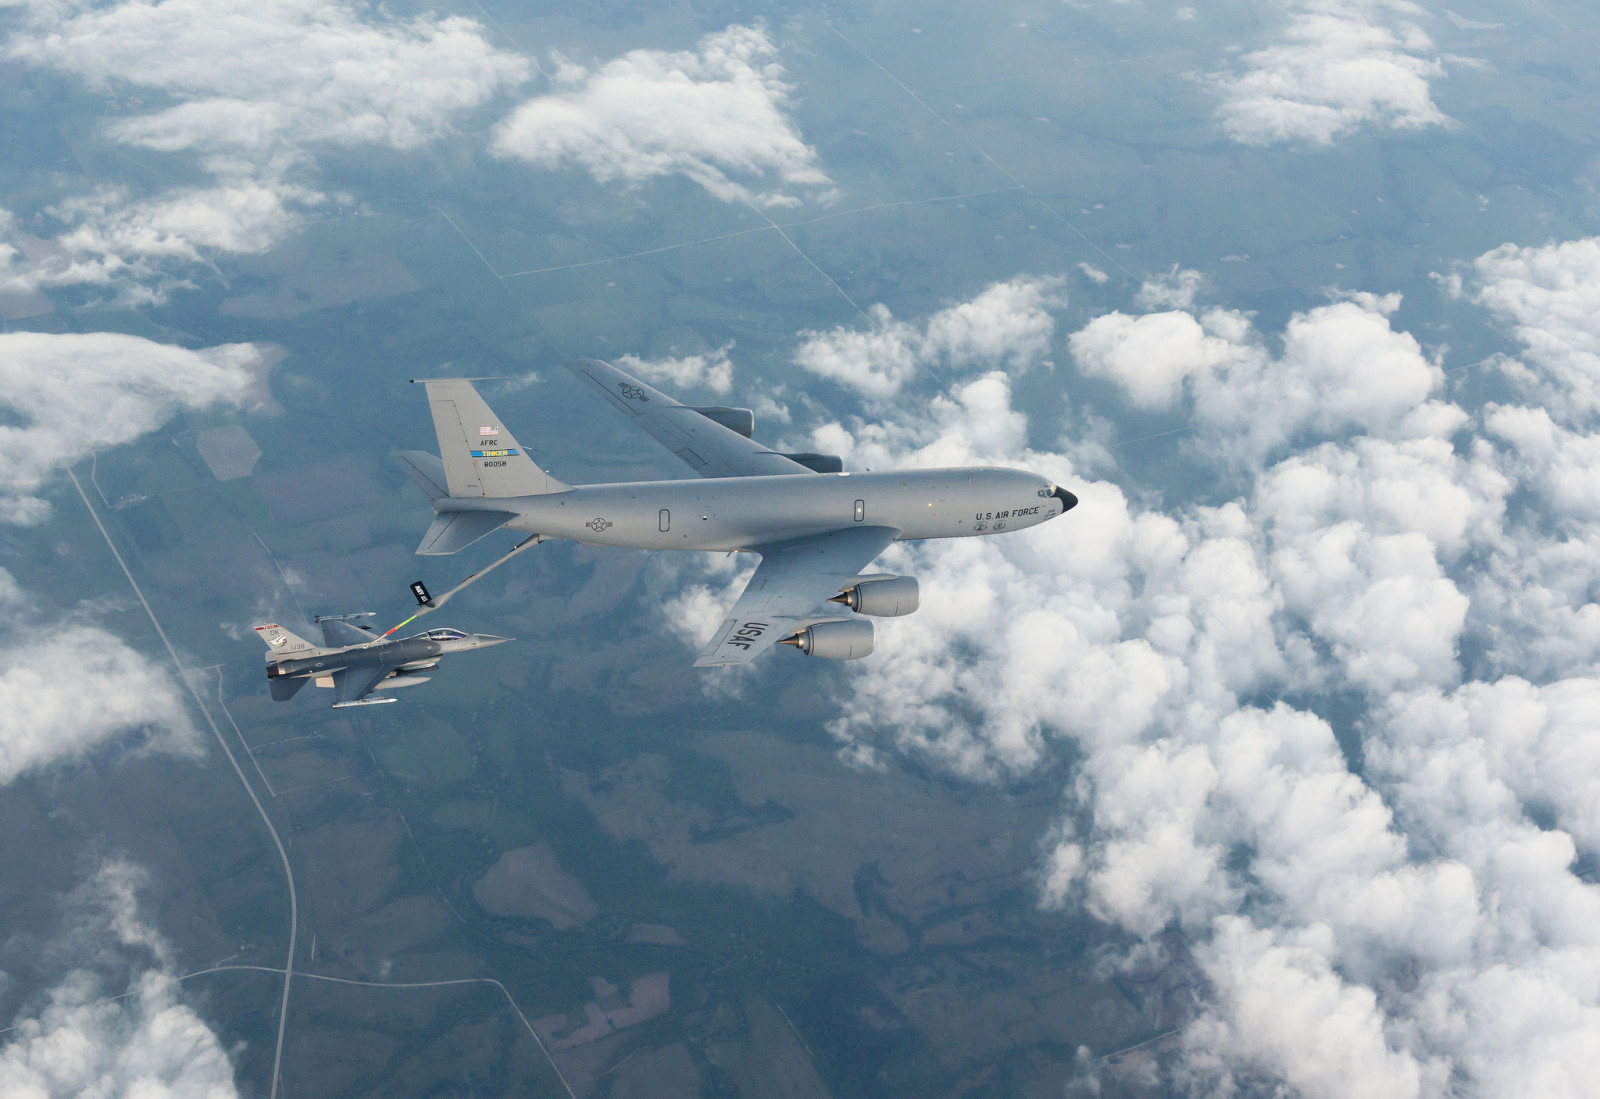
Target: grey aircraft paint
x=815, y=531
x=355, y=662
x=731, y=513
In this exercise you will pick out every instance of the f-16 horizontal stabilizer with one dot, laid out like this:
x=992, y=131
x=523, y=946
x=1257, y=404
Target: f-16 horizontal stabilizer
x=456, y=530
x=284, y=688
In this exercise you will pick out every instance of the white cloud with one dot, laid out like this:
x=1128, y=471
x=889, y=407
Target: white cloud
x=260, y=77
x=1283, y=1011
x=1342, y=64
x=1343, y=366
x=147, y=1045
x=694, y=609
x=77, y=392
x=1535, y=597
x=1008, y=324
x=1151, y=355
x=1175, y=289
x=141, y=247
x=877, y=362
x=67, y=689
x=1562, y=466
x=718, y=115
x=1412, y=928
x=249, y=92
x=712, y=370
x=1551, y=294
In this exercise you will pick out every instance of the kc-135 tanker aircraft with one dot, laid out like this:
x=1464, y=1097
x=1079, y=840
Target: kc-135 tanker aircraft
x=815, y=526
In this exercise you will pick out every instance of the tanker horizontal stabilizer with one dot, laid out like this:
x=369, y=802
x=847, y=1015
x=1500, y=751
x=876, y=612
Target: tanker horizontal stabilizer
x=453, y=531
x=425, y=470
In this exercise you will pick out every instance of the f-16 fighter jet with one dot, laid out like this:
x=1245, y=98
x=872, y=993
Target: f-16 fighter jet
x=815, y=526
x=355, y=662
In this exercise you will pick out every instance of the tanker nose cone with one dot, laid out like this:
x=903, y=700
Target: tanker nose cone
x=1068, y=501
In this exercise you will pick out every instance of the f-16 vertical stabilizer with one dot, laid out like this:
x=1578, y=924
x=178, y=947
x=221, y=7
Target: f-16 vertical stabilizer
x=281, y=642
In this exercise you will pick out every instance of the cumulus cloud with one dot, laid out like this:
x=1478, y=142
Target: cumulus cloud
x=248, y=93
x=1378, y=893
x=712, y=370
x=1152, y=355
x=1536, y=598
x=1282, y=1011
x=76, y=392
x=142, y=247
x=1343, y=367
x=1551, y=295
x=268, y=76
x=68, y=689
x=1007, y=324
x=718, y=115
x=76, y=1042
x=1341, y=65
x=1175, y=289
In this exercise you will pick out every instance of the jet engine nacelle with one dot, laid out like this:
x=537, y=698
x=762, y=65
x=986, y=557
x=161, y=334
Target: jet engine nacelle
x=849, y=640
x=741, y=420
x=887, y=598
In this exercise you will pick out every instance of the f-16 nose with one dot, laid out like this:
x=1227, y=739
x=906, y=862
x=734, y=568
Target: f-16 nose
x=1068, y=501
x=484, y=640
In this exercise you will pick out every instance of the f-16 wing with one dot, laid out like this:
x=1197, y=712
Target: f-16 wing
x=706, y=446
x=341, y=635
x=793, y=581
x=351, y=685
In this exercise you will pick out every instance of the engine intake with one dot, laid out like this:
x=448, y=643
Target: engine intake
x=741, y=420
x=850, y=640
x=887, y=598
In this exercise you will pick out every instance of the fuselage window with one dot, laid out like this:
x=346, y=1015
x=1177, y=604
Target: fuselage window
x=666, y=519
x=861, y=510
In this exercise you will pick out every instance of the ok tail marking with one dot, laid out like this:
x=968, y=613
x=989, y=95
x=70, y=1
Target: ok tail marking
x=280, y=642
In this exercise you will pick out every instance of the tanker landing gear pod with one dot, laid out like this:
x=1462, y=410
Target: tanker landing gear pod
x=815, y=526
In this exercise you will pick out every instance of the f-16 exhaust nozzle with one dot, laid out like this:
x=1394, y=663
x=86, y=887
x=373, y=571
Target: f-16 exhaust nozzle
x=834, y=640
x=888, y=598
